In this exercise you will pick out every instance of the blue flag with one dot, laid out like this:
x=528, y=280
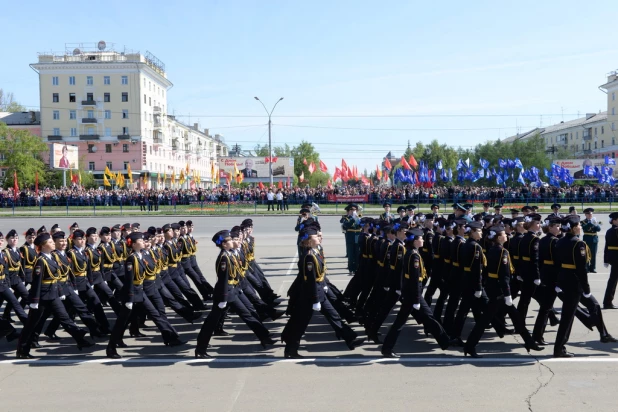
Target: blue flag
x=484, y=163
x=501, y=163
x=520, y=179
x=518, y=164
x=439, y=165
x=610, y=161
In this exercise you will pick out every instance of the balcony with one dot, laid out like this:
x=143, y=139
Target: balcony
x=54, y=137
x=89, y=102
x=587, y=151
x=157, y=124
x=174, y=148
x=587, y=137
x=124, y=137
x=156, y=109
x=157, y=140
x=89, y=137
x=89, y=120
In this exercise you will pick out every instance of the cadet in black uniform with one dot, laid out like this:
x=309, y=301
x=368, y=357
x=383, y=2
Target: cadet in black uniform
x=108, y=259
x=6, y=293
x=591, y=229
x=45, y=296
x=455, y=275
x=610, y=257
x=436, y=280
x=412, y=301
x=387, y=215
x=446, y=267
x=350, y=223
x=529, y=262
x=15, y=275
x=186, y=250
x=499, y=271
x=28, y=255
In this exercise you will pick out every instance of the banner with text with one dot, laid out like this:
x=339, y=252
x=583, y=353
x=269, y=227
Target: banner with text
x=576, y=167
x=348, y=198
x=257, y=167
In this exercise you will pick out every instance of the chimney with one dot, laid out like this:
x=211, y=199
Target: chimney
x=589, y=115
x=196, y=126
x=206, y=132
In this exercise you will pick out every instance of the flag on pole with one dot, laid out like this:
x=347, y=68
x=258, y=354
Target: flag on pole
x=387, y=164
x=323, y=167
x=302, y=176
x=15, y=185
x=405, y=164
x=105, y=181
x=130, y=174
x=108, y=172
x=412, y=161
x=344, y=165
x=36, y=184
x=378, y=172
x=261, y=186
x=311, y=168
x=610, y=161
x=280, y=185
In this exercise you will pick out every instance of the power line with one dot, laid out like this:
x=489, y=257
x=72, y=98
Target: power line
x=402, y=129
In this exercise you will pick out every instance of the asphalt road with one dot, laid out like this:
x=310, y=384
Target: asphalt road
x=245, y=377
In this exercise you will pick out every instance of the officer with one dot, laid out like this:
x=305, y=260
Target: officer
x=28, y=255
x=514, y=213
x=401, y=212
x=72, y=230
x=435, y=210
x=350, y=223
x=455, y=275
x=555, y=208
x=410, y=213
x=591, y=229
x=498, y=210
x=106, y=250
x=387, y=215
x=194, y=265
x=610, y=257
x=526, y=210
x=45, y=295
x=445, y=267
x=485, y=211
x=412, y=301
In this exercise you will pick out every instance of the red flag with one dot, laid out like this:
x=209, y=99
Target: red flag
x=387, y=164
x=344, y=165
x=413, y=161
x=302, y=177
x=312, y=168
x=36, y=184
x=337, y=174
x=385, y=175
x=405, y=164
x=280, y=185
x=355, y=171
x=323, y=167
x=267, y=159
x=261, y=186
x=288, y=183
x=350, y=174
x=364, y=180
x=274, y=159
x=378, y=172
x=15, y=185
x=305, y=162
x=329, y=184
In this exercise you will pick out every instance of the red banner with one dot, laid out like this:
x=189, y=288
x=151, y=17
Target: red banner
x=347, y=198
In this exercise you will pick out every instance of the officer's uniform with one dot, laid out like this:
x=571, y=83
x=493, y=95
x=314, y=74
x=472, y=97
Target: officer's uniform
x=28, y=257
x=454, y=282
x=610, y=256
x=591, y=237
x=446, y=268
x=352, y=231
x=15, y=280
x=174, y=255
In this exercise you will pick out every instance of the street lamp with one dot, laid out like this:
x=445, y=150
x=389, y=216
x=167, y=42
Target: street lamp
x=270, y=147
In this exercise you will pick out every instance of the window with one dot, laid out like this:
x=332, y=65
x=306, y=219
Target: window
x=90, y=97
x=595, y=131
x=144, y=82
x=126, y=165
x=595, y=145
x=56, y=131
x=602, y=129
x=56, y=114
x=577, y=135
x=91, y=114
x=56, y=98
x=72, y=114
x=144, y=98
x=125, y=131
x=602, y=143
x=613, y=95
x=109, y=165
x=89, y=81
x=90, y=165
x=613, y=126
x=90, y=148
x=73, y=131
x=55, y=81
x=91, y=131
x=125, y=96
x=613, y=155
x=108, y=114
x=613, y=141
x=125, y=148
x=108, y=131
x=125, y=114
x=149, y=101
x=72, y=97
x=149, y=86
x=571, y=136
x=106, y=97
x=613, y=111
x=106, y=80
x=72, y=80
x=125, y=79
x=108, y=148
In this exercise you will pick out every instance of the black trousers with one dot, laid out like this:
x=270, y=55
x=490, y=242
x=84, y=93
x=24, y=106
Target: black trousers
x=435, y=283
x=547, y=296
x=90, y=298
x=8, y=296
x=186, y=289
x=527, y=292
x=270, y=204
x=610, y=290
x=185, y=311
x=570, y=300
x=496, y=305
x=368, y=280
x=73, y=304
x=56, y=308
x=102, y=289
x=20, y=292
x=152, y=307
x=442, y=297
x=388, y=303
x=175, y=291
x=199, y=281
x=454, y=296
x=478, y=306
x=212, y=321
x=355, y=285
x=423, y=316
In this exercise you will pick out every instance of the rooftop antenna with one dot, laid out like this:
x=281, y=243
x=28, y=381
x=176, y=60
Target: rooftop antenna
x=562, y=110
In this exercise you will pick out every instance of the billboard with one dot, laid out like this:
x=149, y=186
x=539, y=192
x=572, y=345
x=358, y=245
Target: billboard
x=257, y=167
x=64, y=156
x=576, y=167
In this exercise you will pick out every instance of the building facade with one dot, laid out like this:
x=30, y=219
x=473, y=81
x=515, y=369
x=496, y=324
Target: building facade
x=113, y=106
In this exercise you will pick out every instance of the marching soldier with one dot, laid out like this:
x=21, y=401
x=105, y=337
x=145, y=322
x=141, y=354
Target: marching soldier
x=186, y=250
x=591, y=229
x=28, y=255
x=610, y=257
x=15, y=272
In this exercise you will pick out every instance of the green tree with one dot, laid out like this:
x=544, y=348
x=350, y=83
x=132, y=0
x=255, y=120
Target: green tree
x=22, y=154
x=8, y=103
x=278, y=151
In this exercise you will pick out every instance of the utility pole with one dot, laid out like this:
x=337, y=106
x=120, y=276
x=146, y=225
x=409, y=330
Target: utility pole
x=270, y=146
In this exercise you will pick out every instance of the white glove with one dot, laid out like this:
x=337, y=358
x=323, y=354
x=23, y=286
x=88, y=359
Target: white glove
x=303, y=219
x=76, y=292
x=520, y=278
x=594, y=220
x=317, y=307
x=63, y=297
x=558, y=290
x=221, y=305
x=606, y=265
x=105, y=281
x=325, y=288
x=129, y=305
x=34, y=306
x=91, y=286
x=508, y=301
x=416, y=306
x=478, y=293
x=386, y=289
x=537, y=282
x=398, y=292
x=587, y=295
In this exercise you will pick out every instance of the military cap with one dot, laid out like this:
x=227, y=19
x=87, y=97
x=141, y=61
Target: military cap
x=116, y=228
x=74, y=226
x=78, y=234
x=91, y=231
x=105, y=231
x=175, y=226
x=58, y=235
x=133, y=237
x=30, y=232
x=556, y=205
x=42, y=238
x=401, y=209
x=613, y=215
x=525, y=208
x=189, y=222
x=385, y=204
x=351, y=206
x=533, y=217
x=12, y=233
x=42, y=229
x=182, y=223
x=305, y=210
x=413, y=234
x=474, y=225
x=220, y=237
x=589, y=210
x=55, y=226
x=152, y=230
x=246, y=223
x=135, y=226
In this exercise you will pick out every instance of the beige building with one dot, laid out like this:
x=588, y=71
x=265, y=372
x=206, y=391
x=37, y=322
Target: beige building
x=112, y=104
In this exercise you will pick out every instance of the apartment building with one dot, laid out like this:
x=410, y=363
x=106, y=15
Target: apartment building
x=112, y=104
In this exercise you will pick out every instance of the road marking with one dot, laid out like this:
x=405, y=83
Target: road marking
x=294, y=260
x=344, y=361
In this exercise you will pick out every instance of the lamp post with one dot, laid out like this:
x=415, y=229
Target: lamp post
x=270, y=147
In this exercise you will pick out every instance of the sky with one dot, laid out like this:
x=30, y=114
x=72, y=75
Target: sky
x=359, y=78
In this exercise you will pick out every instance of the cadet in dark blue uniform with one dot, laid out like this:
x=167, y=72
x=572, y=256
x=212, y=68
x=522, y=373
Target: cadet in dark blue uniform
x=45, y=296
x=610, y=257
x=591, y=229
x=350, y=223
x=14, y=274
x=530, y=270
x=28, y=255
x=455, y=275
x=412, y=302
x=387, y=215
x=499, y=271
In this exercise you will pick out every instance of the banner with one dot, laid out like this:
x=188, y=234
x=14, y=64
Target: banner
x=576, y=167
x=257, y=167
x=348, y=198
x=63, y=156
